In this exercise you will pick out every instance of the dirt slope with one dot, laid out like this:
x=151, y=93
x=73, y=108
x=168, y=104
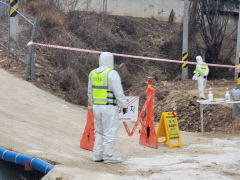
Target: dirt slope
x=175, y=95
x=64, y=73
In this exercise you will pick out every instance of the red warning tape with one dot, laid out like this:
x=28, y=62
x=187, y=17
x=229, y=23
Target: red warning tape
x=237, y=68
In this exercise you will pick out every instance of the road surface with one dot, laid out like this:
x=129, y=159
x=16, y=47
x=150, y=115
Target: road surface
x=36, y=123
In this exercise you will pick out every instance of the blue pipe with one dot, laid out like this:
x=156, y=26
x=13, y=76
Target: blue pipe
x=18, y=158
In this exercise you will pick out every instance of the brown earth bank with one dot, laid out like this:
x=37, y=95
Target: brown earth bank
x=179, y=96
x=65, y=73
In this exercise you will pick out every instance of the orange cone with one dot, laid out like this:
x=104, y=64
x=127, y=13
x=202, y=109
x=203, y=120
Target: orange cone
x=87, y=141
x=147, y=133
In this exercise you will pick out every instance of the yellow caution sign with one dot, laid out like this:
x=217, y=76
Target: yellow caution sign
x=168, y=128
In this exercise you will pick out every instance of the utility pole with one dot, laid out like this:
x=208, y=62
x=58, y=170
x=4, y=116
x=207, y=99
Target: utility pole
x=236, y=109
x=103, y=10
x=237, y=50
x=185, y=40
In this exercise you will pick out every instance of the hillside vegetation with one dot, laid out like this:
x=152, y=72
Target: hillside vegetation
x=65, y=73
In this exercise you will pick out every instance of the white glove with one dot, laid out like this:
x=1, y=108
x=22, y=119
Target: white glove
x=194, y=77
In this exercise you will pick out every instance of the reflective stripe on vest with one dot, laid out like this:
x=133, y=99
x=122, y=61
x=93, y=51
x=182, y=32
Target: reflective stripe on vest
x=203, y=67
x=100, y=88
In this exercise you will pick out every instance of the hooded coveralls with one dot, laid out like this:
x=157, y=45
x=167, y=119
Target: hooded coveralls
x=105, y=94
x=202, y=71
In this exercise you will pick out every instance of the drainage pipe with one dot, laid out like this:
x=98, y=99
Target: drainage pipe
x=18, y=158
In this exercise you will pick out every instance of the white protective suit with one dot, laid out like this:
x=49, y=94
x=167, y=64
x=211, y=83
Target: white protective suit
x=202, y=78
x=106, y=116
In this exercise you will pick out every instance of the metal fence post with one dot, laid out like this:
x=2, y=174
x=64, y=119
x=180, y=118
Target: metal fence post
x=9, y=28
x=27, y=69
x=33, y=38
x=31, y=49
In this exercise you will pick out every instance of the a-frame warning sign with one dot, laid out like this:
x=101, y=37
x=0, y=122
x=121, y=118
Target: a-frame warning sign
x=168, y=128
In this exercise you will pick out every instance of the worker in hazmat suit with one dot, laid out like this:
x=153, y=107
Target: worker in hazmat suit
x=106, y=95
x=200, y=74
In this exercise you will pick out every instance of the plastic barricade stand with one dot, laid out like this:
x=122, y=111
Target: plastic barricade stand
x=147, y=133
x=130, y=133
x=140, y=114
x=87, y=141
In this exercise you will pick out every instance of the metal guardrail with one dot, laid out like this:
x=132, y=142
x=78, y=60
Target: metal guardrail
x=18, y=48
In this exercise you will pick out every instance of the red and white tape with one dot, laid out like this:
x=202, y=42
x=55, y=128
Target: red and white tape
x=133, y=100
x=237, y=68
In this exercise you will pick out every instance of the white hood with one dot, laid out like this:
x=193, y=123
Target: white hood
x=199, y=59
x=105, y=61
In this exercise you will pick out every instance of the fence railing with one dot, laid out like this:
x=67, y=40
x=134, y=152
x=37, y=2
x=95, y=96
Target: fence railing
x=24, y=30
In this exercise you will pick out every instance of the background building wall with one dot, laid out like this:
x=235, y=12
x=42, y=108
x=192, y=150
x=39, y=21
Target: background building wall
x=159, y=9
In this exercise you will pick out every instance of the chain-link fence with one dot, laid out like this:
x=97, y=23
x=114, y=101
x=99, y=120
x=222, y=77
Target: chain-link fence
x=16, y=30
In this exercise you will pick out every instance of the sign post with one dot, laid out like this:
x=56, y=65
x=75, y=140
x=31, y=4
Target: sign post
x=185, y=40
x=236, y=109
x=14, y=19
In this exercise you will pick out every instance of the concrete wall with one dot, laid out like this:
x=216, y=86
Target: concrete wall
x=159, y=9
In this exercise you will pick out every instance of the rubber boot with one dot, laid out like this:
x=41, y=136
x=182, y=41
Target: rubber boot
x=98, y=158
x=113, y=160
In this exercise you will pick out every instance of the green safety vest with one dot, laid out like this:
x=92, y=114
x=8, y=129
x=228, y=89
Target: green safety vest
x=100, y=91
x=204, y=68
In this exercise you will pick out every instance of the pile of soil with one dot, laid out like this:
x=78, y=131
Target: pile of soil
x=188, y=110
x=179, y=99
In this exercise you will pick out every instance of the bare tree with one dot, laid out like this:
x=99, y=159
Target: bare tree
x=210, y=18
x=213, y=19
